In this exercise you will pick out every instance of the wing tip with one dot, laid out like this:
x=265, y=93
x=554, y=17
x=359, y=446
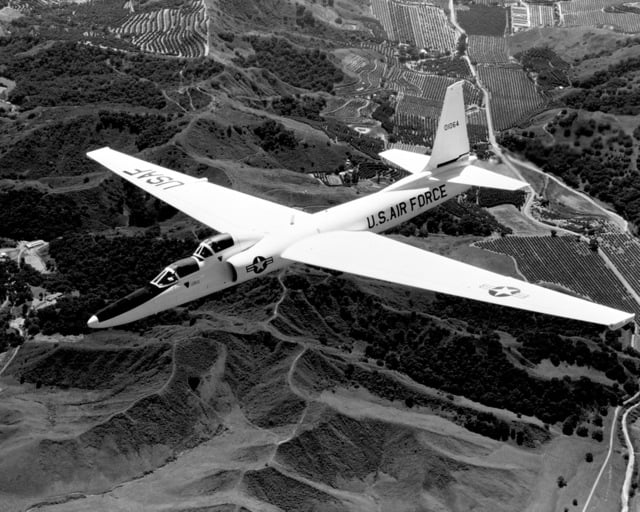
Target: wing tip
x=94, y=153
x=630, y=317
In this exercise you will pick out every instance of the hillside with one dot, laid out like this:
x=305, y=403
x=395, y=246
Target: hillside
x=252, y=403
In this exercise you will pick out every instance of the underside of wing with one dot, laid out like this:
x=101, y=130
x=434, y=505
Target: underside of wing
x=378, y=257
x=221, y=208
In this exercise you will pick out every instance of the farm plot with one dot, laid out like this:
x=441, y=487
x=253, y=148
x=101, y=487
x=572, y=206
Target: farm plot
x=421, y=25
x=431, y=87
x=513, y=95
x=416, y=105
x=624, y=252
x=541, y=15
x=592, y=13
x=477, y=126
x=519, y=17
x=567, y=262
x=479, y=20
x=488, y=49
x=181, y=31
x=414, y=129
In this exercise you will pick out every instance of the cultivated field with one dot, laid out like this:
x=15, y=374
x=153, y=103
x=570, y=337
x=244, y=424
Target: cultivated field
x=541, y=15
x=482, y=21
x=477, y=126
x=181, y=31
x=566, y=262
x=513, y=94
x=591, y=13
x=526, y=16
x=519, y=17
x=421, y=25
x=624, y=251
x=487, y=49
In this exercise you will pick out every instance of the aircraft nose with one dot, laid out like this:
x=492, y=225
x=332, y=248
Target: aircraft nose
x=93, y=322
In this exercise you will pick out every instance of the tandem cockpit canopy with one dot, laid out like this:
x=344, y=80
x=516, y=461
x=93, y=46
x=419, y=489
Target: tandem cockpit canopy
x=182, y=268
x=213, y=245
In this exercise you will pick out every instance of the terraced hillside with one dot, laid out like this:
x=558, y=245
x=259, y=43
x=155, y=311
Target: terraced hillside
x=181, y=31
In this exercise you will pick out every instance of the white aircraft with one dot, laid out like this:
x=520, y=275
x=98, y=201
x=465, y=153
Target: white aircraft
x=258, y=236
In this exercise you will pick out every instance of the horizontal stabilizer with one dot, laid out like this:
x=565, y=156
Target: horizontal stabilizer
x=479, y=177
x=407, y=160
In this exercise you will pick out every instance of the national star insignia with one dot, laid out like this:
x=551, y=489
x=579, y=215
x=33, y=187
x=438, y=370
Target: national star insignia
x=504, y=291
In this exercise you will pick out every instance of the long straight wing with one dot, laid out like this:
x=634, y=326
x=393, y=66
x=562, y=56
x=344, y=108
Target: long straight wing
x=221, y=208
x=378, y=257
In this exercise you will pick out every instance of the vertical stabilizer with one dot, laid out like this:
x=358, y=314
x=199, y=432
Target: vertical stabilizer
x=452, y=140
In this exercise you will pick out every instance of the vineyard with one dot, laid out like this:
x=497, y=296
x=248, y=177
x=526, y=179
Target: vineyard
x=180, y=31
x=419, y=106
x=421, y=25
x=519, y=17
x=477, y=126
x=591, y=13
x=513, y=95
x=479, y=20
x=541, y=15
x=567, y=262
x=624, y=252
x=414, y=129
x=431, y=87
x=488, y=49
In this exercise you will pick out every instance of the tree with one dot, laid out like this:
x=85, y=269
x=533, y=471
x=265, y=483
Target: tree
x=582, y=431
x=589, y=457
x=561, y=482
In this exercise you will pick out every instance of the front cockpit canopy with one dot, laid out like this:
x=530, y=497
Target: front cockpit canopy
x=176, y=271
x=213, y=245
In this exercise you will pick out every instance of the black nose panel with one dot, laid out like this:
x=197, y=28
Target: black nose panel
x=133, y=300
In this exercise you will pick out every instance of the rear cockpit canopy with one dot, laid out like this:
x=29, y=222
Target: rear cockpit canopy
x=213, y=245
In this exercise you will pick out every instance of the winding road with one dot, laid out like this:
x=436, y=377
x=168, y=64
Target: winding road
x=612, y=217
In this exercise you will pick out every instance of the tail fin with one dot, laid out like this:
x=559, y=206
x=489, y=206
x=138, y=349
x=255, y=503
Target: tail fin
x=452, y=140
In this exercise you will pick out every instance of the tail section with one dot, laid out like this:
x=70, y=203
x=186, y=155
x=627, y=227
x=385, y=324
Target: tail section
x=452, y=140
x=450, y=145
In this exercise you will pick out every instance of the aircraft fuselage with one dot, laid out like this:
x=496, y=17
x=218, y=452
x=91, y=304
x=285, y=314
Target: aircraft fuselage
x=377, y=212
